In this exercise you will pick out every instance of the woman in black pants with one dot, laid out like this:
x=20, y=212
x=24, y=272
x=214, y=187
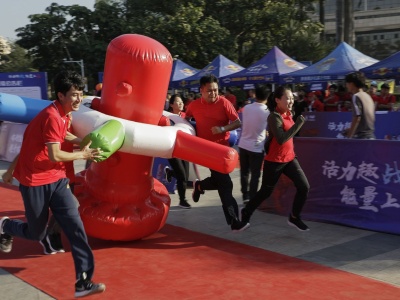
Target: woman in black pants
x=280, y=158
x=180, y=168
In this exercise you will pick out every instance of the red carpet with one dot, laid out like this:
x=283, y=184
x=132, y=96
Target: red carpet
x=180, y=264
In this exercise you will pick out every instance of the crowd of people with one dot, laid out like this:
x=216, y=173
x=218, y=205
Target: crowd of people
x=269, y=121
x=338, y=98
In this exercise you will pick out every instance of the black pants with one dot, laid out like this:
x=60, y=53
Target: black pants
x=271, y=173
x=222, y=183
x=58, y=197
x=181, y=173
x=250, y=163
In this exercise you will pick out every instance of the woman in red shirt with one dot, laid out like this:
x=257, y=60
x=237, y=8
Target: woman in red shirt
x=180, y=168
x=280, y=158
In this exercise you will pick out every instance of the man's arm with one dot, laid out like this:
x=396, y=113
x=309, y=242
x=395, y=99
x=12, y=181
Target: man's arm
x=72, y=138
x=229, y=127
x=8, y=175
x=58, y=155
x=354, y=124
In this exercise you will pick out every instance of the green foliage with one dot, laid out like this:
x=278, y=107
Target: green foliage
x=196, y=31
x=15, y=60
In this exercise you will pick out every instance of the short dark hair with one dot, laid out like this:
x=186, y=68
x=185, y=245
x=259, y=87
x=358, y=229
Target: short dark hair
x=357, y=78
x=262, y=93
x=210, y=78
x=385, y=86
x=67, y=79
x=333, y=86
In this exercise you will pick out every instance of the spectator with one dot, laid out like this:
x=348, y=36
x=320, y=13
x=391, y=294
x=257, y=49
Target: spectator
x=190, y=98
x=300, y=104
x=251, y=143
x=166, y=105
x=44, y=185
x=331, y=102
x=231, y=97
x=180, y=168
x=314, y=103
x=385, y=100
x=213, y=114
x=251, y=96
x=372, y=91
x=344, y=99
x=281, y=158
x=363, y=108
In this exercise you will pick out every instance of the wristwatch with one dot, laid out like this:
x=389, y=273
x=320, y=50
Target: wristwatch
x=222, y=128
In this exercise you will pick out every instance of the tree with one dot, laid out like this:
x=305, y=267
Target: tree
x=13, y=58
x=72, y=33
x=196, y=30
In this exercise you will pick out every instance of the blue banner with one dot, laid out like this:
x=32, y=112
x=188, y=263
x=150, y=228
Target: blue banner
x=27, y=84
x=353, y=182
x=332, y=124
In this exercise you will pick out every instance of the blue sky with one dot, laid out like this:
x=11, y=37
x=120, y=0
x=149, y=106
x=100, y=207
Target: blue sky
x=15, y=13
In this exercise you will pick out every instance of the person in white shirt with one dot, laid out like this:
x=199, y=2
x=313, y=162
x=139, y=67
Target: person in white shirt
x=251, y=143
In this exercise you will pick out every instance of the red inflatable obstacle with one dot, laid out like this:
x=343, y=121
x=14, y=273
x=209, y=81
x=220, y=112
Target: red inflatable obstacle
x=119, y=199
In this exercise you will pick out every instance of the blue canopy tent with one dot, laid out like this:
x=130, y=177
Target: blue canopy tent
x=266, y=70
x=180, y=71
x=220, y=66
x=386, y=68
x=340, y=62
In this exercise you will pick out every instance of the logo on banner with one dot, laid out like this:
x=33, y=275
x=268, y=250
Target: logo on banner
x=257, y=68
x=291, y=63
x=233, y=68
x=187, y=71
x=382, y=71
x=326, y=65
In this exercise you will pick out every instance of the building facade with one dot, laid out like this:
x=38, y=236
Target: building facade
x=376, y=24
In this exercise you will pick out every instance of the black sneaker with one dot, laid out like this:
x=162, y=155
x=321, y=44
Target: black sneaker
x=6, y=241
x=239, y=225
x=246, y=198
x=2, y=222
x=85, y=287
x=168, y=174
x=298, y=223
x=46, y=246
x=196, y=193
x=245, y=215
x=184, y=204
x=55, y=243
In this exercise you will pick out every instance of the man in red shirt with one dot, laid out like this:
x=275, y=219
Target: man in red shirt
x=315, y=103
x=332, y=100
x=385, y=100
x=40, y=170
x=231, y=97
x=212, y=114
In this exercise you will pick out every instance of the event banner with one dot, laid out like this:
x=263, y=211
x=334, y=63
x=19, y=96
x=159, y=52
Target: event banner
x=353, y=182
x=332, y=124
x=25, y=84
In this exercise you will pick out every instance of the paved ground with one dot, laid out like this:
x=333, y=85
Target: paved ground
x=367, y=253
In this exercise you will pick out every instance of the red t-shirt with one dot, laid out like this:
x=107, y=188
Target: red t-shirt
x=69, y=165
x=285, y=152
x=34, y=167
x=334, y=99
x=208, y=115
x=385, y=100
x=232, y=99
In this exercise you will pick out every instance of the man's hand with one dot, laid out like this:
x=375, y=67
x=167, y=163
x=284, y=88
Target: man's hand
x=217, y=130
x=7, y=177
x=89, y=153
